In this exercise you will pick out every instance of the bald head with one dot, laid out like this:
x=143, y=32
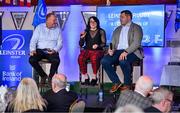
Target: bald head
x=59, y=80
x=144, y=85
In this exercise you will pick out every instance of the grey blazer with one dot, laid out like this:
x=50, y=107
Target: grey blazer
x=135, y=35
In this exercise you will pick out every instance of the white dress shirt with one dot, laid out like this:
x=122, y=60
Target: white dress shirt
x=140, y=93
x=123, y=37
x=44, y=37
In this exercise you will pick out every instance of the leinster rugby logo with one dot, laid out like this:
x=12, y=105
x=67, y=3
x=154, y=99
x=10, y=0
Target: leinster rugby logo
x=13, y=42
x=42, y=12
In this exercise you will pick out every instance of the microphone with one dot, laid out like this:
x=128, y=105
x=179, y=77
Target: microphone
x=110, y=46
x=85, y=31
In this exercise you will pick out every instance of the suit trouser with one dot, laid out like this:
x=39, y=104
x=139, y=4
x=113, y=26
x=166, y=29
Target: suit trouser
x=126, y=66
x=53, y=59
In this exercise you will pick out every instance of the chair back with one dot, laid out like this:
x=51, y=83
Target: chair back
x=78, y=106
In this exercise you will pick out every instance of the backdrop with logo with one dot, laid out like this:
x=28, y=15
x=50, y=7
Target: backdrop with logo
x=149, y=17
x=14, y=56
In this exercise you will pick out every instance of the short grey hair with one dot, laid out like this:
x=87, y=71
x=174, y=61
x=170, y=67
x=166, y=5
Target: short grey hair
x=160, y=94
x=58, y=82
x=129, y=108
x=144, y=84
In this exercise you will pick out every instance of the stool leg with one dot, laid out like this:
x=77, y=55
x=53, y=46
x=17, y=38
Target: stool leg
x=86, y=93
x=81, y=92
x=141, y=66
x=80, y=84
x=102, y=78
x=36, y=76
x=99, y=79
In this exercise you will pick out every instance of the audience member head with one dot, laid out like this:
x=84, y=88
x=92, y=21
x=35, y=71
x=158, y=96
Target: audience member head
x=162, y=99
x=144, y=85
x=59, y=82
x=129, y=109
x=27, y=97
x=51, y=20
x=125, y=17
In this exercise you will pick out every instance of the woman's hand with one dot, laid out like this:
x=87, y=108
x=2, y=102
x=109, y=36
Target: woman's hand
x=95, y=46
x=83, y=34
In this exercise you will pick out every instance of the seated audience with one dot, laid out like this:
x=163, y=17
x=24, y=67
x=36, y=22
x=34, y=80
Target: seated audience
x=59, y=100
x=138, y=97
x=129, y=109
x=27, y=98
x=162, y=100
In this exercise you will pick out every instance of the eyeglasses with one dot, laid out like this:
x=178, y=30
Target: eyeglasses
x=92, y=22
x=170, y=101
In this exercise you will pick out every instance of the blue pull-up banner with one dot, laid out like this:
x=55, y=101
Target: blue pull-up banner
x=14, y=57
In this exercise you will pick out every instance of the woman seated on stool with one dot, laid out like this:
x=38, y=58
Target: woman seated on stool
x=94, y=39
x=27, y=98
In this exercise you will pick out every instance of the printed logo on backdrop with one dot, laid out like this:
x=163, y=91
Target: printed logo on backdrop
x=18, y=19
x=13, y=42
x=87, y=14
x=14, y=55
x=41, y=12
x=62, y=17
x=168, y=15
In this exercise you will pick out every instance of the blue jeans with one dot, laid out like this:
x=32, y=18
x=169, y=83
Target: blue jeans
x=126, y=66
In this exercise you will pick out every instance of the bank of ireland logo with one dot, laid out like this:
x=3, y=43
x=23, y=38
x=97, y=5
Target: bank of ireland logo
x=13, y=42
x=12, y=67
x=42, y=12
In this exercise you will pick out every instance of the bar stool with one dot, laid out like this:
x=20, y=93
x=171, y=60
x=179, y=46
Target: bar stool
x=99, y=82
x=136, y=63
x=42, y=88
x=100, y=76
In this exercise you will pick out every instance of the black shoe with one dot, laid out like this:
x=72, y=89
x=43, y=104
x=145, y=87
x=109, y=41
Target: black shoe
x=94, y=82
x=49, y=80
x=86, y=82
x=43, y=80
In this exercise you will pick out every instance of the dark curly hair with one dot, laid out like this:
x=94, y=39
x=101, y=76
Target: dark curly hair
x=96, y=20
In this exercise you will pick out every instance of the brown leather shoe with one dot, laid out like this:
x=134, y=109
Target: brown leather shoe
x=125, y=87
x=115, y=87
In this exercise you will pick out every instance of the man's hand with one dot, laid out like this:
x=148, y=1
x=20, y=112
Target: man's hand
x=32, y=53
x=123, y=56
x=83, y=34
x=110, y=52
x=95, y=46
x=50, y=52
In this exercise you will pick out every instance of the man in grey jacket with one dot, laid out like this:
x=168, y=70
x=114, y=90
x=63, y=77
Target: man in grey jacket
x=126, y=45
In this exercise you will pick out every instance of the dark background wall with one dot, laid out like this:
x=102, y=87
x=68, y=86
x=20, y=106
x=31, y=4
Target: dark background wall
x=103, y=2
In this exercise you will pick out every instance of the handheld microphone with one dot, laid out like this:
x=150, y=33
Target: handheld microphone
x=85, y=31
x=111, y=46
